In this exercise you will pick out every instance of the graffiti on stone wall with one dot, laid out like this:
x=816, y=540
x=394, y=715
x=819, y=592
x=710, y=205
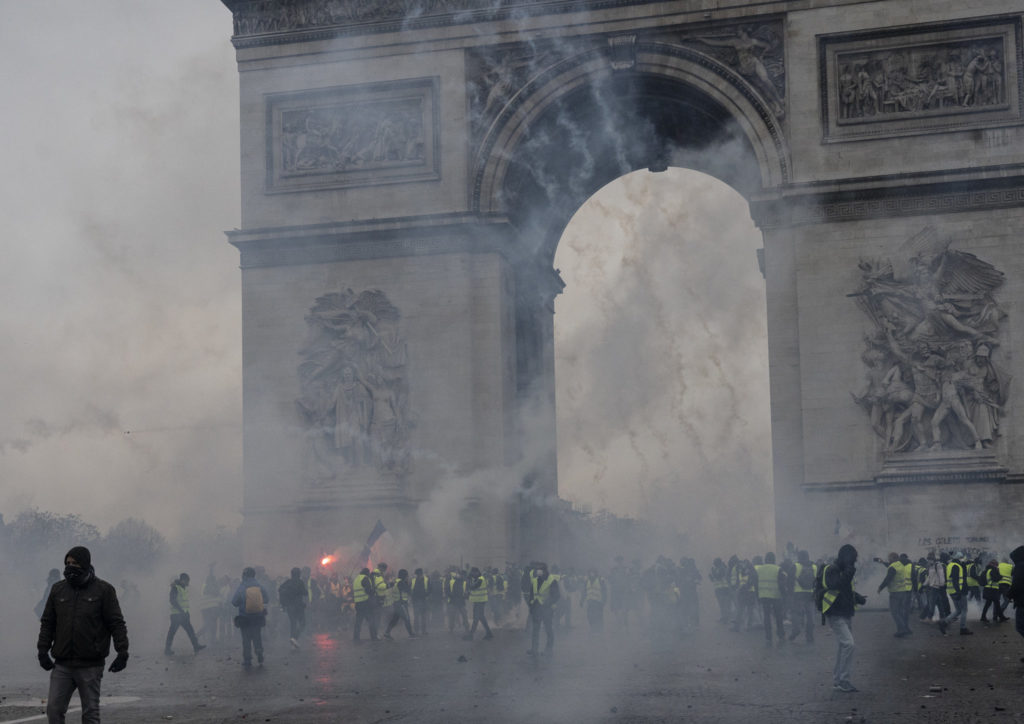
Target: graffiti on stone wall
x=354, y=401
x=932, y=380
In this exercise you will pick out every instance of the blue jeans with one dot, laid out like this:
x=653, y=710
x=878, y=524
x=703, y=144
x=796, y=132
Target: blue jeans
x=960, y=602
x=63, y=682
x=840, y=626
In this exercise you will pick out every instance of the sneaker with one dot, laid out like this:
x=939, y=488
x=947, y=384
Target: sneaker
x=488, y=636
x=388, y=637
x=168, y=652
x=966, y=632
x=199, y=648
x=943, y=626
x=846, y=687
x=294, y=643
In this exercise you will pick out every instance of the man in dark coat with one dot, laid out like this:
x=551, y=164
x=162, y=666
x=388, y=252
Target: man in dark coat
x=1016, y=592
x=292, y=595
x=79, y=619
x=838, y=606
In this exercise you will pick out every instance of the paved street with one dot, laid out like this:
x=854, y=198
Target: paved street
x=716, y=676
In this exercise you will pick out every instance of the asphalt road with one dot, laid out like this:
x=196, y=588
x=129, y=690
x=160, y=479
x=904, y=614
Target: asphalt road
x=713, y=676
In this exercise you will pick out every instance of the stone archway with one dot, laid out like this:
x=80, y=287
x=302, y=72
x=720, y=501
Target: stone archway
x=427, y=154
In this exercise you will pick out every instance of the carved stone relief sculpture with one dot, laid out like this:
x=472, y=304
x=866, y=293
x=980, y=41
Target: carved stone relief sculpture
x=898, y=81
x=354, y=388
x=756, y=53
x=353, y=135
x=932, y=382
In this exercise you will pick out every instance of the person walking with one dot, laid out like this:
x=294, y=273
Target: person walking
x=293, y=595
x=899, y=579
x=180, y=616
x=595, y=594
x=838, y=603
x=801, y=611
x=400, y=594
x=541, y=599
x=1016, y=590
x=478, y=597
x=363, y=594
x=769, y=584
x=251, y=601
x=419, y=594
x=956, y=587
x=455, y=600
x=935, y=585
x=80, y=617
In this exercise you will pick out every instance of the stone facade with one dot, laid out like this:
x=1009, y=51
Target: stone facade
x=401, y=147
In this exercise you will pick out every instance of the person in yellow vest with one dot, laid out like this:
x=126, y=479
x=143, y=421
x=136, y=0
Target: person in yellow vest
x=180, y=615
x=837, y=607
x=400, y=593
x=455, y=591
x=769, y=586
x=419, y=595
x=595, y=595
x=899, y=579
x=477, y=584
x=719, y=577
x=541, y=598
x=364, y=595
x=743, y=576
x=380, y=589
x=802, y=608
x=498, y=587
x=1005, y=576
x=956, y=587
x=990, y=578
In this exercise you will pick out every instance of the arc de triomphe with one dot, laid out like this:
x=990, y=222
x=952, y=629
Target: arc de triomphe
x=408, y=167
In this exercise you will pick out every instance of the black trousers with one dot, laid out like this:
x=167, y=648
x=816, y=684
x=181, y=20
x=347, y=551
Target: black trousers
x=296, y=620
x=479, y=617
x=365, y=611
x=542, y=615
x=181, y=620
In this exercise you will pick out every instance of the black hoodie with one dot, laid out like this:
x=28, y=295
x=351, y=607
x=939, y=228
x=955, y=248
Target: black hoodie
x=1016, y=592
x=839, y=577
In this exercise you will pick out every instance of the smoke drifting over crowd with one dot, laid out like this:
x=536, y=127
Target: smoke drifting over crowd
x=123, y=397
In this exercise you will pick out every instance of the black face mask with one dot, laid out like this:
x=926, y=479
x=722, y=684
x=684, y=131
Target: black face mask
x=76, y=576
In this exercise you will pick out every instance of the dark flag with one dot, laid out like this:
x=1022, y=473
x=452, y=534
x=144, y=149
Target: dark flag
x=378, y=531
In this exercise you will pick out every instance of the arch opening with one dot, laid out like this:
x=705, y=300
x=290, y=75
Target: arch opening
x=660, y=356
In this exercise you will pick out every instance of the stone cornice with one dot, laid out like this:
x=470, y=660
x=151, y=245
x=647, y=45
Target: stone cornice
x=272, y=22
x=373, y=239
x=889, y=197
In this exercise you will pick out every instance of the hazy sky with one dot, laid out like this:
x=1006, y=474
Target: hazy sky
x=121, y=313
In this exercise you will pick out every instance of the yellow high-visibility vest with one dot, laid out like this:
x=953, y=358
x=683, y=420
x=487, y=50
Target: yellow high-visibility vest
x=359, y=593
x=479, y=594
x=768, y=581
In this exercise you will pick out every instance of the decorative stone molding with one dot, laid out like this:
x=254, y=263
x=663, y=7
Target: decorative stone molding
x=358, y=135
x=966, y=466
x=264, y=22
x=921, y=79
x=807, y=206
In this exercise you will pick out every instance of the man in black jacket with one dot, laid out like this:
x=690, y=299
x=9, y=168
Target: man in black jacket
x=80, y=617
x=838, y=606
x=1016, y=592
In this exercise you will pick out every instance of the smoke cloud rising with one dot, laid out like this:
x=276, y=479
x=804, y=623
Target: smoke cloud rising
x=123, y=392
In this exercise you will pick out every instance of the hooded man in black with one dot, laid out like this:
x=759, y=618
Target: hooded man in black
x=79, y=619
x=1016, y=592
x=838, y=607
